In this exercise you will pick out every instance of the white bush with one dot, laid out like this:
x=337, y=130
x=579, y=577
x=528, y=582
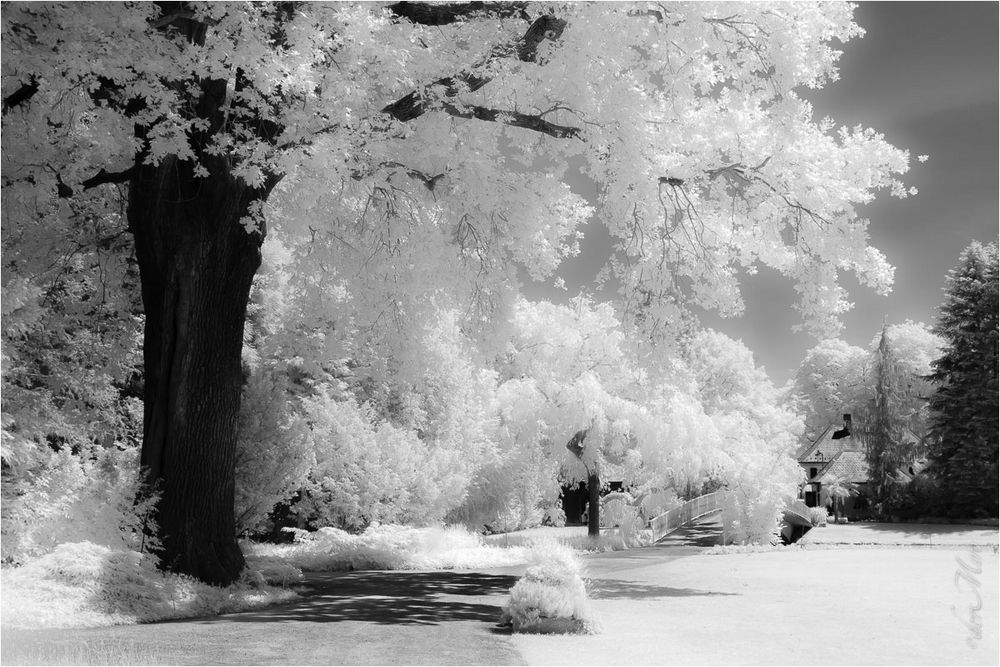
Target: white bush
x=618, y=510
x=758, y=476
x=551, y=596
x=83, y=584
x=751, y=518
x=818, y=516
x=274, y=450
x=514, y=489
x=90, y=497
x=388, y=547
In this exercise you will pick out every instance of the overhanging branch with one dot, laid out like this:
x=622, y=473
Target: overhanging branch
x=415, y=104
x=513, y=118
x=426, y=13
x=103, y=177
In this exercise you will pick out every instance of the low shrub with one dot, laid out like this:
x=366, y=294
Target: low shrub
x=83, y=584
x=818, y=516
x=551, y=597
x=388, y=547
x=619, y=511
x=87, y=496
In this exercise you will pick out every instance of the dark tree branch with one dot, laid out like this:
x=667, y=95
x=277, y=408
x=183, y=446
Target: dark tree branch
x=103, y=177
x=513, y=118
x=21, y=95
x=545, y=27
x=426, y=13
x=415, y=104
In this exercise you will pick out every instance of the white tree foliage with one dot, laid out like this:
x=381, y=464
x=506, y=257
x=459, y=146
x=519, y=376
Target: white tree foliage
x=687, y=117
x=419, y=166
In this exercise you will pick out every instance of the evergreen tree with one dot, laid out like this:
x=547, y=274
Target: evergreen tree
x=964, y=407
x=883, y=424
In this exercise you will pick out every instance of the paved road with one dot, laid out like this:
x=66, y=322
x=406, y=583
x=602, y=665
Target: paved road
x=344, y=618
x=349, y=618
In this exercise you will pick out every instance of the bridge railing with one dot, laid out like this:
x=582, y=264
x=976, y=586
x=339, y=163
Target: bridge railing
x=671, y=520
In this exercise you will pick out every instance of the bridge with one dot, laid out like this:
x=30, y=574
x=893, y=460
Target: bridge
x=795, y=520
x=682, y=515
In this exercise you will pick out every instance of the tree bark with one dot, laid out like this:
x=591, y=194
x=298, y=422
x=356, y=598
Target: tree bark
x=594, y=495
x=576, y=446
x=196, y=263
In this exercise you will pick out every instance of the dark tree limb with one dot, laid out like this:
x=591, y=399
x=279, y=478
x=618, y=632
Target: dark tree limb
x=415, y=104
x=513, y=118
x=103, y=177
x=21, y=95
x=426, y=13
x=575, y=445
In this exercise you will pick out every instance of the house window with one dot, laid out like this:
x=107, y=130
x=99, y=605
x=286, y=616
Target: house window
x=812, y=472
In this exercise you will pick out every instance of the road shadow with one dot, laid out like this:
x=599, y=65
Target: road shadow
x=617, y=589
x=394, y=597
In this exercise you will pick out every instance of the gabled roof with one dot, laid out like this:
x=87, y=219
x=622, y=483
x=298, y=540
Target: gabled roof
x=848, y=466
x=825, y=448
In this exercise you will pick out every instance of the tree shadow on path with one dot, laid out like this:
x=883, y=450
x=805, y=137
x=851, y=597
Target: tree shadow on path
x=617, y=589
x=394, y=597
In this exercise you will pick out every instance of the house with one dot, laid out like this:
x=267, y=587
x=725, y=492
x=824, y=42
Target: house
x=837, y=458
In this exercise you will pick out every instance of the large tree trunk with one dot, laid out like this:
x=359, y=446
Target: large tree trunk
x=576, y=446
x=594, y=495
x=196, y=263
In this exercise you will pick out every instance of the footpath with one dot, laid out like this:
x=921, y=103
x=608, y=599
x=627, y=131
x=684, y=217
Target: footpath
x=667, y=604
x=341, y=618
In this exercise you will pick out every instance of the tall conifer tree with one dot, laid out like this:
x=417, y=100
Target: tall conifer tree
x=964, y=408
x=883, y=423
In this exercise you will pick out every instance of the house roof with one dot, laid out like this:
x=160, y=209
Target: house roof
x=849, y=466
x=826, y=447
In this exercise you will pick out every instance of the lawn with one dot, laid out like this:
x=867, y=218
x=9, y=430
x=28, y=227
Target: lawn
x=832, y=603
x=794, y=606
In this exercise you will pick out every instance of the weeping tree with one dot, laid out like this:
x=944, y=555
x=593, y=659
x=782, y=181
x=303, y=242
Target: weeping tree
x=214, y=121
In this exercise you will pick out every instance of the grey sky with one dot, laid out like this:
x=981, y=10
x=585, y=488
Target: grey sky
x=926, y=76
